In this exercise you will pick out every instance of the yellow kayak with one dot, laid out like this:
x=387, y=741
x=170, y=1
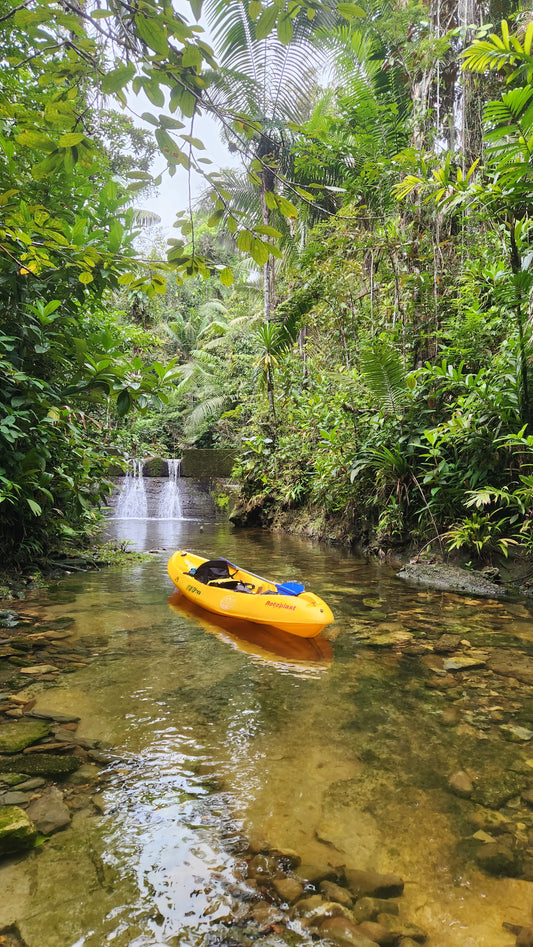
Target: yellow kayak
x=220, y=587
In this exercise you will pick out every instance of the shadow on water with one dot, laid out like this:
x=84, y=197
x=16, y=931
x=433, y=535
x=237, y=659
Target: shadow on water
x=286, y=652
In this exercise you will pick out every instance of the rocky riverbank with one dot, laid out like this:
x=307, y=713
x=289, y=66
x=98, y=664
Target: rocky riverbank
x=47, y=770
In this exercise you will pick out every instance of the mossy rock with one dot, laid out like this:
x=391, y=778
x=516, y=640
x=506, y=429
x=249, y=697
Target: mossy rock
x=17, y=831
x=155, y=467
x=40, y=764
x=14, y=737
x=494, y=792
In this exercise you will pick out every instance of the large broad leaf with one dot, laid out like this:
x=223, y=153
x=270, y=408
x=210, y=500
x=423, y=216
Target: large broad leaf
x=153, y=33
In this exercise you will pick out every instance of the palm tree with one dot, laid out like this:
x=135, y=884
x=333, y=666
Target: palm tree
x=272, y=83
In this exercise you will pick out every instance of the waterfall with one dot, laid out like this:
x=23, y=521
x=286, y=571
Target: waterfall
x=132, y=503
x=169, y=507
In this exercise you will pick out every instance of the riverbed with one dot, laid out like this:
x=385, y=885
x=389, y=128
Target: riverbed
x=339, y=750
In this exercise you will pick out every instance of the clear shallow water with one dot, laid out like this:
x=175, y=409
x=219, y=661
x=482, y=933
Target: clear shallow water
x=325, y=747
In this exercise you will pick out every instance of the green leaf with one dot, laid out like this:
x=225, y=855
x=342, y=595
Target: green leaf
x=268, y=231
x=259, y=251
x=123, y=403
x=287, y=208
x=351, y=10
x=244, y=240
x=35, y=140
x=151, y=119
x=167, y=122
x=117, y=79
x=195, y=142
x=266, y=22
x=71, y=139
x=226, y=276
x=101, y=14
x=154, y=92
x=34, y=507
x=285, y=29
x=196, y=7
x=254, y=9
x=152, y=33
x=86, y=277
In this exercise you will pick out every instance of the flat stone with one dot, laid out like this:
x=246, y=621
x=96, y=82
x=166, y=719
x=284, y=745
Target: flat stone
x=55, y=715
x=14, y=737
x=465, y=662
x=372, y=884
x=12, y=779
x=494, y=793
x=37, y=669
x=344, y=932
x=461, y=784
x=314, y=918
x=14, y=798
x=516, y=733
x=314, y=874
x=377, y=933
x=29, y=784
x=368, y=909
x=49, y=813
x=447, y=643
x=40, y=764
x=335, y=892
x=400, y=929
x=519, y=666
x=450, y=579
x=498, y=859
x=17, y=831
x=86, y=773
x=288, y=889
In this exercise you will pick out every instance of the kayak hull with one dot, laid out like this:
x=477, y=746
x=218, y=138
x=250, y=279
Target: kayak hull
x=305, y=615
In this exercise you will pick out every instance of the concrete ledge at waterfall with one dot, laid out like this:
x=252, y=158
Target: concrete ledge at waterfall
x=448, y=578
x=207, y=463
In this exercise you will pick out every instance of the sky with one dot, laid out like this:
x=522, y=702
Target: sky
x=173, y=194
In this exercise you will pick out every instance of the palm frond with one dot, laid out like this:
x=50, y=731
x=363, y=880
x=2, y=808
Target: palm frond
x=383, y=373
x=211, y=407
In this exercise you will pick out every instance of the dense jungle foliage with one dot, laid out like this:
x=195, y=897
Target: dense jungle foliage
x=351, y=311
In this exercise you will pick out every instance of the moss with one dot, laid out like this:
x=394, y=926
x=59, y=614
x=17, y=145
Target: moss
x=45, y=764
x=17, y=832
x=15, y=736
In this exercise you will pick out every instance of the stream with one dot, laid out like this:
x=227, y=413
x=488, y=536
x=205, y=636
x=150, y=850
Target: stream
x=339, y=749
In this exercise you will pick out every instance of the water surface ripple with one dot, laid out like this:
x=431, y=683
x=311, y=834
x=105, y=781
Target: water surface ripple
x=334, y=749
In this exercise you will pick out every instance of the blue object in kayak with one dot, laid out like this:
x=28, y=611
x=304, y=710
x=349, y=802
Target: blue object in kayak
x=291, y=588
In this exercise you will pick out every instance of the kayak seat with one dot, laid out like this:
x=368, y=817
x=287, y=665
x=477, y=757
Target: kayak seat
x=213, y=570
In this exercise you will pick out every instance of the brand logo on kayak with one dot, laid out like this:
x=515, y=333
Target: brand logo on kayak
x=228, y=602
x=291, y=608
x=191, y=588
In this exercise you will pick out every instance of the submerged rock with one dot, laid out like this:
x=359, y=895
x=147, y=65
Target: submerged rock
x=342, y=931
x=17, y=831
x=372, y=884
x=11, y=937
x=49, y=813
x=14, y=737
x=43, y=764
x=498, y=858
x=461, y=784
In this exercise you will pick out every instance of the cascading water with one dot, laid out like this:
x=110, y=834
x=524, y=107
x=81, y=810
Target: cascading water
x=169, y=507
x=132, y=502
